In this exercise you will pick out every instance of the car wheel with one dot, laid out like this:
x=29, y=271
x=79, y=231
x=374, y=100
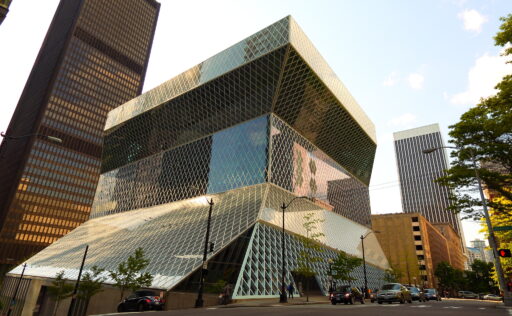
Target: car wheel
x=140, y=307
x=351, y=301
x=409, y=301
x=380, y=302
x=362, y=301
x=390, y=302
x=402, y=300
x=333, y=302
x=120, y=308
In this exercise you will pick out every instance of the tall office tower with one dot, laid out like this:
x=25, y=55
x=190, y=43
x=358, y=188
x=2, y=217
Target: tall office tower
x=4, y=8
x=418, y=171
x=253, y=127
x=93, y=59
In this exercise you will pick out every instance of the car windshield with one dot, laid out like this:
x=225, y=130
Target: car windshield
x=145, y=293
x=391, y=287
x=345, y=288
x=413, y=289
x=430, y=291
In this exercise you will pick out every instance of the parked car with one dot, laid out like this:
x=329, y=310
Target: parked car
x=492, y=297
x=141, y=301
x=416, y=294
x=347, y=294
x=432, y=295
x=394, y=292
x=467, y=294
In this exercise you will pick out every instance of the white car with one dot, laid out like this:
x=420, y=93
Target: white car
x=492, y=297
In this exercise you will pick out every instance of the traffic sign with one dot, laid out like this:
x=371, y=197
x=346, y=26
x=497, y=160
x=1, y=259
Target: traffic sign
x=501, y=228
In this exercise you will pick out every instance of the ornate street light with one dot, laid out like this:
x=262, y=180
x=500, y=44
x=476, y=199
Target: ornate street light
x=364, y=261
x=282, y=296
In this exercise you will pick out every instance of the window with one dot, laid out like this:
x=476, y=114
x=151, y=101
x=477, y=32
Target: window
x=416, y=228
x=415, y=219
x=417, y=237
x=419, y=247
x=421, y=257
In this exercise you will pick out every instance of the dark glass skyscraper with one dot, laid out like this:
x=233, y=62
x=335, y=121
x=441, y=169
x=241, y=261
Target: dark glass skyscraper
x=418, y=172
x=93, y=59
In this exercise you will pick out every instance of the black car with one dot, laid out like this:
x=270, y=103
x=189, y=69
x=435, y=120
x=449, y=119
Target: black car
x=141, y=301
x=347, y=294
x=416, y=294
x=432, y=295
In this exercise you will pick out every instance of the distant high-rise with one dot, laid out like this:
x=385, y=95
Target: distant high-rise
x=418, y=172
x=93, y=59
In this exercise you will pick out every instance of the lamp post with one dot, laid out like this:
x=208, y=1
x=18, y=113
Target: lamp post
x=75, y=290
x=47, y=137
x=204, y=270
x=492, y=239
x=364, y=261
x=282, y=296
x=13, y=299
x=330, y=275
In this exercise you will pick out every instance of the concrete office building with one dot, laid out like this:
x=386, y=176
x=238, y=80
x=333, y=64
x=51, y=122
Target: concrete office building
x=252, y=127
x=415, y=246
x=93, y=59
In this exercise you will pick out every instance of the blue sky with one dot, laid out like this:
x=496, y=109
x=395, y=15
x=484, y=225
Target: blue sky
x=407, y=63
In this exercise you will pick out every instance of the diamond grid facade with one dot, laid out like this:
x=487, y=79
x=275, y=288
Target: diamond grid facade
x=251, y=127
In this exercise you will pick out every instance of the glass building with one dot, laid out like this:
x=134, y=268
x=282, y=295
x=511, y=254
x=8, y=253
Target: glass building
x=252, y=127
x=87, y=66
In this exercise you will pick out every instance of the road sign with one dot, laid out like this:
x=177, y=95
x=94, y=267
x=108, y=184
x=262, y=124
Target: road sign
x=501, y=228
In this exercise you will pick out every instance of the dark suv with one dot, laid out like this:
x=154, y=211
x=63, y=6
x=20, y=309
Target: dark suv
x=141, y=301
x=432, y=295
x=347, y=295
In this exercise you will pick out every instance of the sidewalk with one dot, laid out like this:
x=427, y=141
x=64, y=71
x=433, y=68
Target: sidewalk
x=273, y=302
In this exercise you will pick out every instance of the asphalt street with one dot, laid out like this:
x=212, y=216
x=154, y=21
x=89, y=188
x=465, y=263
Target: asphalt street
x=446, y=307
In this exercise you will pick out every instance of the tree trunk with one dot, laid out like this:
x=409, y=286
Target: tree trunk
x=307, y=289
x=56, y=307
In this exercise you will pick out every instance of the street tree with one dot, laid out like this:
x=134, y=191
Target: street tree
x=309, y=255
x=392, y=275
x=479, y=279
x=128, y=275
x=90, y=284
x=59, y=290
x=343, y=265
x=484, y=134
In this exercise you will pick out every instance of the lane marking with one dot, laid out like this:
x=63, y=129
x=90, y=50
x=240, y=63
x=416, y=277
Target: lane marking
x=421, y=306
x=452, y=307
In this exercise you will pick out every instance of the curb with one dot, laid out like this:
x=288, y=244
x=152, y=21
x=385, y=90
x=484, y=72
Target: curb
x=271, y=305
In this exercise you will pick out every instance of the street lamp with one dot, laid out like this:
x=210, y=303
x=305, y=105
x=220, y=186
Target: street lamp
x=204, y=270
x=364, y=261
x=492, y=239
x=47, y=137
x=331, y=262
x=77, y=284
x=13, y=299
x=282, y=296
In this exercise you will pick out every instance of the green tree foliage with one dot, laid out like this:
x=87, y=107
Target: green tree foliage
x=484, y=133
x=392, y=275
x=504, y=36
x=308, y=256
x=343, y=265
x=128, y=275
x=479, y=280
x=504, y=239
x=59, y=290
x=91, y=284
x=450, y=279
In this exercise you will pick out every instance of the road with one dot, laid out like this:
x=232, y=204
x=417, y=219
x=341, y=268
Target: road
x=446, y=307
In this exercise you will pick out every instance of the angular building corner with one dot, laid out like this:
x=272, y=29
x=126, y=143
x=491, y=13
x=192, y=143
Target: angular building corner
x=254, y=126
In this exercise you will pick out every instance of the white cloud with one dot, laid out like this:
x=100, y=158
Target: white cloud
x=482, y=78
x=416, y=81
x=473, y=20
x=391, y=79
x=403, y=120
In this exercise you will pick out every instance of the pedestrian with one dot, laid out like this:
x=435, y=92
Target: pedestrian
x=290, y=289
